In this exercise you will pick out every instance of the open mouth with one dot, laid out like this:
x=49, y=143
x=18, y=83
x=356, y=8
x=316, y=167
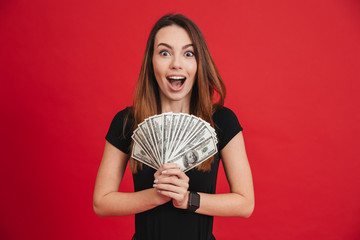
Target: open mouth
x=176, y=81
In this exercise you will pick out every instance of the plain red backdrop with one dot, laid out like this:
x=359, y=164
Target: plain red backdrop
x=292, y=73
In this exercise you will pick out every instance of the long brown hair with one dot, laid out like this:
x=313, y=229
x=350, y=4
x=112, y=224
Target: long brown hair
x=146, y=96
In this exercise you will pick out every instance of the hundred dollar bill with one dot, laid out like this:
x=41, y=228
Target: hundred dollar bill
x=170, y=137
x=139, y=154
x=143, y=144
x=175, y=137
x=196, y=155
x=195, y=128
x=196, y=139
x=189, y=128
x=166, y=134
x=153, y=138
x=174, y=121
x=212, y=130
x=179, y=139
x=149, y=138
x=156, y=125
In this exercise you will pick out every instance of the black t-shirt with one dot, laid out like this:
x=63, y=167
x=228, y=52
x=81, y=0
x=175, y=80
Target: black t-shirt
x=166, y=221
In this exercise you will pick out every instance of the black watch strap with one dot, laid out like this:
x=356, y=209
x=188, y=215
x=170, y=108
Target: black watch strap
x=194, y=201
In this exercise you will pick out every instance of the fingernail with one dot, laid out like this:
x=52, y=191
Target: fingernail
x=163, y=172
x=155, y=181
x=158, y=190
x=154, y=185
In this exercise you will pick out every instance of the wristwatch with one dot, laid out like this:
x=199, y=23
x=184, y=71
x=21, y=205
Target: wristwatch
x=194, y=201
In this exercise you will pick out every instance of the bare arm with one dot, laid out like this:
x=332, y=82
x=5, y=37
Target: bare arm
x=239, y=202
x=107, y=200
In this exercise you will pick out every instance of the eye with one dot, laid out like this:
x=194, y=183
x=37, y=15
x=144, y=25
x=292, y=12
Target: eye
x=164, y=53
x=189, y=54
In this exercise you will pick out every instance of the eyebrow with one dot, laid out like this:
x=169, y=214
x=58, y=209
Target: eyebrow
x=168, y=46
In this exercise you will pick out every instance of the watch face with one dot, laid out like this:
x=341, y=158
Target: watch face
x=194, y=201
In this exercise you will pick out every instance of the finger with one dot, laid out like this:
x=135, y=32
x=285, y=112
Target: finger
x=179, y=191
x=172, y=180
x=172, y=184
x=170, y=194
x=164, y=168
x=162, y=176
x=170, y=165
x=176, y=172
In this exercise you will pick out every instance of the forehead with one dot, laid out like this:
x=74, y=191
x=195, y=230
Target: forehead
x=172, y=35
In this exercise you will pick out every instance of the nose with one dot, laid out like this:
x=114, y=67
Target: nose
x=176, y=62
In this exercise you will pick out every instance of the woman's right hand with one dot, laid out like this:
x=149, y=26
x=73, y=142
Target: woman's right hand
x=159, y=174
x=171, y=182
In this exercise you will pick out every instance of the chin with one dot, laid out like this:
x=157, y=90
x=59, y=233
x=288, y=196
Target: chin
x=177, y=97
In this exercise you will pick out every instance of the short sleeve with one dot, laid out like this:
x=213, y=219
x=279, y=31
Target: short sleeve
x=118, y=135
x=226, y=125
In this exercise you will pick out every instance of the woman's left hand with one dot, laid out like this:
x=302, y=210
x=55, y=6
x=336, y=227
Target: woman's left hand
x=173, y=183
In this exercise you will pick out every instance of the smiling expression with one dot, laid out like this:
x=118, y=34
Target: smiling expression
x=174, y=64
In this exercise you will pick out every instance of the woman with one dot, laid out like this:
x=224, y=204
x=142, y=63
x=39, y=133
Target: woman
x=177, y=75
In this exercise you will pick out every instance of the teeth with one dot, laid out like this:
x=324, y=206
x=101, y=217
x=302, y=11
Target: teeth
x=176, y=78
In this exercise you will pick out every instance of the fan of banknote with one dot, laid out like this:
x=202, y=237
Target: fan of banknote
x=174, y=137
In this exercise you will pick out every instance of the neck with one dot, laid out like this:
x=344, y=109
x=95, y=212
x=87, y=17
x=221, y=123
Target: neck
x=181, y=106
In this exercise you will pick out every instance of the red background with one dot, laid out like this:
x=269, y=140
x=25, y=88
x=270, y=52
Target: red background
x=292, y=73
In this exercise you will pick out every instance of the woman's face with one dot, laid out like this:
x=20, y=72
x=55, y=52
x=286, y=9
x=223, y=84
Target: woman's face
x=174, y=64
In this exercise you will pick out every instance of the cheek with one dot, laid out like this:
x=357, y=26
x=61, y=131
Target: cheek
x=160, y=68
x=157, y=70
x=192, y=69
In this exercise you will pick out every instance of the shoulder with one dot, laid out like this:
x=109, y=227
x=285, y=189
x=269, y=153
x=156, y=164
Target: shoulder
x=225, y=116
x=124, y=116
x=120, y=130
x=226, y=125
x=223, y=112
x=125, y=113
